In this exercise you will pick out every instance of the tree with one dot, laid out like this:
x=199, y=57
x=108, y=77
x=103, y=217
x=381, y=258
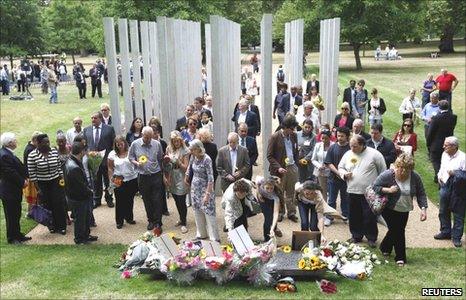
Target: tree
x=445, y=18
x=70, y=25
x=370, y=21
x=21, y=31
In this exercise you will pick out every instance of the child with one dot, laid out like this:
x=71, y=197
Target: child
x=312, y=207
x=268, y=193
x=206, y=122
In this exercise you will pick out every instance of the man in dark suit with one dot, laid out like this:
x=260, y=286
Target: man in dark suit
x=96, y=81
x=78, y=194
x=232, y=161
x=282, y=154
x=290, y=103
x=250, y=144
x=252, y=107
x=181, y=122
x=100, y=137
x=13, y=178
x=278, y=100
x=441, y=126
x=312, y=83
x=349, y=92
x=248, y=117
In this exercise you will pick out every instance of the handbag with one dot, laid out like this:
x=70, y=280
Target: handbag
x=376, y=201
x=41, y=215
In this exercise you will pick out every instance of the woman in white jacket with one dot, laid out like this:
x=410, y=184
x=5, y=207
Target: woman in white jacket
x=321, y=171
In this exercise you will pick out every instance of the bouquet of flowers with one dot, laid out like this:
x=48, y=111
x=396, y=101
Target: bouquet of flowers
x=219, y=267
x=311, y=262
x=319, y=103
x=94, y=159
x=254, y=265
x=183, y=267
x=348, y=259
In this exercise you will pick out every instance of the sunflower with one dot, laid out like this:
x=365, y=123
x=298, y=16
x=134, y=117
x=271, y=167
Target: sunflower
x=295, y=106
x=315, y=261
x=301, y=264
x=202, y=253
x=61, y=182
x=142, y=159
x=354, y=160
x=306, y=250
x=286, y=249
x=287, y=160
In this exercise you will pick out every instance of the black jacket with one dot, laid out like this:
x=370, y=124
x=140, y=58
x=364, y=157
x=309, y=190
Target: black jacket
x=254, y=109
x=309, y=86
x=12, y=176
x=441, y=126
x=212, y=151
x=387, y=148
x=456, y=191
x=349, y=121
x=76, y=185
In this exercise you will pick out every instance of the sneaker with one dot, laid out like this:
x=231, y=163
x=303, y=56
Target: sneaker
x=184, y=229
x=344, y=218
x=327, y=222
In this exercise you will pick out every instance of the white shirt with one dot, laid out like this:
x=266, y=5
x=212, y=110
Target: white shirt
x=122, y=166
x=242, y=117
x=233, y=156
x=71, y=134
x=93, y=132
x=292, y=100
x=449, y=163
x=409, y=105
x=106, y=119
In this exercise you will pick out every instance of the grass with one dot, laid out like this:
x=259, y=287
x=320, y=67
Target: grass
x=63, y=271
x=69, y=272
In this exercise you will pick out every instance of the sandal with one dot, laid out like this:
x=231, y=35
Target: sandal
x=400, y=263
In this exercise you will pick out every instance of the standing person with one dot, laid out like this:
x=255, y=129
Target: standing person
x=251, y=86
x=410, y=106
x=80, y=78
x=321, y=171
x=44, y=79
x=441, y=126
x=336, y=184
x=244, y=76
x=45, y=172
x=74, y=131
x=376, y=108
x=106, y=117
x=96, y=80
x=5, y=80
x=188, y=134
x=317, y=100
x=428, y=86
x=174, y=176
x=349, y=92
x=202, y=185
x=30, y=192
x=306, y=143
x=204, y=81
x=452, y=168
x=382, y=144
x=250, y=144
x=277, y=103
x=280, y=77
x=359, y=167
x=290, y=103
x=401, y=185
x=146, y=154
x=430, y=110
x=182, y=122
x=156, y=126
x=405, y=139
x=62, y=71
x=100, y=137
x=358, y=106
x=282, y=154
x=135, y=130
x=78, y=194
x=254, y=63
x=125, y=178
x=307, y=114
x=21, y=79
x=344, y=119
x=358, y=128
x=232, y=161
x=313, y=82
x=13, y=177
x=244, y=115
x=206, y=137
x=206, y=122
x=251, y=107
x=446, y=84
x=52, y=82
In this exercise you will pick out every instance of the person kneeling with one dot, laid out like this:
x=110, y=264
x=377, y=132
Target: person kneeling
x=268, y=191
x=237, y=202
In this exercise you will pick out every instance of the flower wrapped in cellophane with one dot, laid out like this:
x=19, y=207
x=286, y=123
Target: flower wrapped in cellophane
x=94, y=159
x=219, y=268
x=182, y=268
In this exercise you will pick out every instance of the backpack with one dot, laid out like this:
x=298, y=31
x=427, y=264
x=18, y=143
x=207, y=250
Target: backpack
x=281, y=75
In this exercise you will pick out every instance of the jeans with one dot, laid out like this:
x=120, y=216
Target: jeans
x=267, y=208
x=336, y=185
x=308, y=216
x=124, y=201
x=395, y=237
x=444, y=216
x=150, y=187
x=53, y=94
x=362, y=222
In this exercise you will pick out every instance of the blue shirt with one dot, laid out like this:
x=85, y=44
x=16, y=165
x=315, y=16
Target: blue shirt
x=289, y=150
x=152, y=151
x=429, y=111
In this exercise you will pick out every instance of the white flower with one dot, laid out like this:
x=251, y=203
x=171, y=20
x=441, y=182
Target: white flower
x=356, y=257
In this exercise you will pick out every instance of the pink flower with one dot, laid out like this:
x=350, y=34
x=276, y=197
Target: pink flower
x=126, y=274
x=327, y=287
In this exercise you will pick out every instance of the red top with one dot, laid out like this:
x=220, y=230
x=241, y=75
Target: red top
x=342, y=122
x=412, y=141
x=444, y=82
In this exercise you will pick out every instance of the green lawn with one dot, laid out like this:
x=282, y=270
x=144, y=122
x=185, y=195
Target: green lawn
x=70, y=271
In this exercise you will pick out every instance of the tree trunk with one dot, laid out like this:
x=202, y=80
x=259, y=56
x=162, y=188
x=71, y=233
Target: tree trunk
x=446, y=40
x=356, y=48
x=11, y=62
x=72, y=57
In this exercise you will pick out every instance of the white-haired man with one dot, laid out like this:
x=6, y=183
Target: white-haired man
x=244, y=115
x=358, y=129
x=13, y=178
x=451, y=178
x=232, y=161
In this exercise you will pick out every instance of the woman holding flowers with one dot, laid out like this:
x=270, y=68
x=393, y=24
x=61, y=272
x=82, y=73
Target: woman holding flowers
x=178, y=160
x=405, y=139
x=306, y=142
x=401, y=185
x=123, y=175
x=201, y=179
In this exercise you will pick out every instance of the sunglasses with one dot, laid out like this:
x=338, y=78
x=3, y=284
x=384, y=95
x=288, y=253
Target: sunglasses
x=344, y=108
x=407, y=125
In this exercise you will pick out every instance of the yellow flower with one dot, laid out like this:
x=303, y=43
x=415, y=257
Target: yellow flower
x=171, y=235
x=61, y=182
x=228, y=248
x=287, y=160
x=354, y=160
x=202, y=253
x=303, y=162
x=306, y=250
x=142, y=159
x=286, y=249
x=307, y=268
x=301, y=264
x=315, y=261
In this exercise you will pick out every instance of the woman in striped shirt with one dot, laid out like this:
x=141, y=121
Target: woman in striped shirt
x=46, y=174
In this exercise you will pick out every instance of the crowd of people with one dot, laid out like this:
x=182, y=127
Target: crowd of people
x=311, y=165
